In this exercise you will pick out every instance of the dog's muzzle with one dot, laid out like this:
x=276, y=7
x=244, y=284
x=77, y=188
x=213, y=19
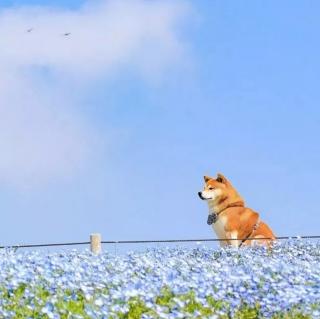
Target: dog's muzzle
x=212, y=218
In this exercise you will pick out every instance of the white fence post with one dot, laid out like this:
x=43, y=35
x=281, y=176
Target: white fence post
x=95, y=243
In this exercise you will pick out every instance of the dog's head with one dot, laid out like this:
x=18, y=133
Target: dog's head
x=215, y=188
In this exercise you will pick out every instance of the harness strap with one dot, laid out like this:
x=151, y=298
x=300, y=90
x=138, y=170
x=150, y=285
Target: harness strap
x=235, y=204
x=255, y=227
x=212, y=218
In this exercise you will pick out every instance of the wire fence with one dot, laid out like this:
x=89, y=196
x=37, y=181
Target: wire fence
x=46, y=245
x=199, y=240
x=205, y=240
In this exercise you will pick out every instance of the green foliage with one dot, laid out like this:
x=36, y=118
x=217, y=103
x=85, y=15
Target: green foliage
x=165, y=297
x=28, y=302
x=247, y=312
x=136, y=309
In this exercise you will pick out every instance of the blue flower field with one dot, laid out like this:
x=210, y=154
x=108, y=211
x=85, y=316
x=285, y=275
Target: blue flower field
x=283, y=282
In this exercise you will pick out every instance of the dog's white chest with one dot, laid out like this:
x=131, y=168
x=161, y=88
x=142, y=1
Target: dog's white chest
x=218, y=228
x=219, y=225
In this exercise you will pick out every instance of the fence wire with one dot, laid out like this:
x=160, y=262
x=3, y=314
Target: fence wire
x=205, y=240
x=157, y=241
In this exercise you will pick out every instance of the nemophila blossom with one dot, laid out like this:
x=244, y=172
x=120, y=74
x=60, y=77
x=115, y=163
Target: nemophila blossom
x=162, y=283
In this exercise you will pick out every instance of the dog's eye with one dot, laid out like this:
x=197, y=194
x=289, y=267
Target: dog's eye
x=211, y=188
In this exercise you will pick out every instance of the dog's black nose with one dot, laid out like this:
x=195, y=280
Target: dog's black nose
x=200, y=195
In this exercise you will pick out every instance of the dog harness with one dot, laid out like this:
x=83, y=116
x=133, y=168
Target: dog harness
x=212, y=218
x=255, y=227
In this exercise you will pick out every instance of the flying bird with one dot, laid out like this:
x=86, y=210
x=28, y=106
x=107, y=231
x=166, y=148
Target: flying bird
x=29, y=30
x=66, y=34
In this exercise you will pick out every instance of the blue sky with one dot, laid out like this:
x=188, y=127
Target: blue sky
x=221, y=87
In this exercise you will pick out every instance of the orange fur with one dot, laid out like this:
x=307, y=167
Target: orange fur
x=237, y=220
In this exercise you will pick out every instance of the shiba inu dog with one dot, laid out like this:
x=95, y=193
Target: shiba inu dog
x=229, y=217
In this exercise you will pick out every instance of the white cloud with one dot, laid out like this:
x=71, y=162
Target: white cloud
x=42, y=135
x=103, y=35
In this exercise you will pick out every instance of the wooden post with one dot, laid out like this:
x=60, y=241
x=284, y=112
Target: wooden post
x=95, y=243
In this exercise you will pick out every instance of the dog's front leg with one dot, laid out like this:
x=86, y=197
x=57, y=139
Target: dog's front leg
x=233, y=236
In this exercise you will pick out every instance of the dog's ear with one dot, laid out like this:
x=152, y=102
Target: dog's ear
x=221, y=179
x=206, y=178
